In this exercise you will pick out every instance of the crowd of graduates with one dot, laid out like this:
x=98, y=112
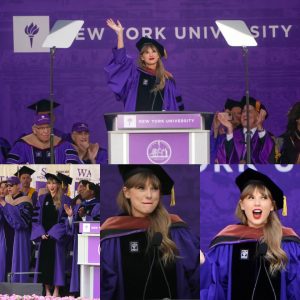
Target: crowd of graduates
x=38, y=230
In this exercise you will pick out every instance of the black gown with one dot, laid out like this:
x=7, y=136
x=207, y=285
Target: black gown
x=47, y=249
x=136, y=262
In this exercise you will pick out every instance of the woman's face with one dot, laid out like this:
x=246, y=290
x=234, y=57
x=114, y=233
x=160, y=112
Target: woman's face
x=257, y=208
x=13, y=189
x=144, y=199
x=3, y=189
x=52, y=187
x=150, y=57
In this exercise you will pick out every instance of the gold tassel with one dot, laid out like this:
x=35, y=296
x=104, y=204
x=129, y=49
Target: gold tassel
x=284, y=209
x=172, y=197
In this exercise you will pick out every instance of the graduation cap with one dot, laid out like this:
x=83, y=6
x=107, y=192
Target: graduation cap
x=166, y=182
x=42, y=105
x=80, y=127
x=144, y=41
x=64, y=178
x=24, y=170
x=41, y=119
x=13, y=180
x=230, y=104
x=50, y=176
x=250, y=176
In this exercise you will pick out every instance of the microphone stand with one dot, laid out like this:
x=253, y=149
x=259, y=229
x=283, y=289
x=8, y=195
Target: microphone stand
x=149, y=274
x=165, y=277
x=248, y=132
x=52, y=52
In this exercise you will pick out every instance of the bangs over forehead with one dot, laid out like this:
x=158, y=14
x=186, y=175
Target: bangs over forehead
x=141, y=179
x=52, y=180
x=148, y=46
x=250, y=188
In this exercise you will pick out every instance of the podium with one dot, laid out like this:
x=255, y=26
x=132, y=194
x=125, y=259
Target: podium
x=158, y=137
x=89, y=259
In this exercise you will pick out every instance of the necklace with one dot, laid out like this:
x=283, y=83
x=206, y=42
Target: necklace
x=297, y=135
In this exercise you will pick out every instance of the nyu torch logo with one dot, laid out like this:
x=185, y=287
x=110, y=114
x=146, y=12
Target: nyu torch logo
x=30, y=33
x=31, y=30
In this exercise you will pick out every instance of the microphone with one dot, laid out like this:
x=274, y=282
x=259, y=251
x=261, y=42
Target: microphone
x=262, y=251
x=156, y=240
x=155, y=243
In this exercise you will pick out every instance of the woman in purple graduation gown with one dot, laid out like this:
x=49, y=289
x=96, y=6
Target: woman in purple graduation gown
x=3, y=193
x=146, y=87
x=146, y=253
x=258, y=258
x=49, y=227
x=17, y=210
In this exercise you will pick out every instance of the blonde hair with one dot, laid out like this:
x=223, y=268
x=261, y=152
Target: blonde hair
x=159, y=219
x=58, y=195
x=160, y=72
x=272, y=229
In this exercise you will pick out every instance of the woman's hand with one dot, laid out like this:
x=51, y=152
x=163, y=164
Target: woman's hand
x=68, y=210
x=117, y=27
x=202, y=258
x=260, y=119
x=223, y=118
x=45, y=237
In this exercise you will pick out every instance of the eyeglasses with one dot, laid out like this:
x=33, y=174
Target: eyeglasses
x=43, y=128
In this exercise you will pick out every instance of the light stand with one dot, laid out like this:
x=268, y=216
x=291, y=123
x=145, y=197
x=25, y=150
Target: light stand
x=237, y=34
x=62, y=35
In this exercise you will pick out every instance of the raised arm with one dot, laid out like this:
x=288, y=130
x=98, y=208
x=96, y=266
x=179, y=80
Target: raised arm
x=118, y=28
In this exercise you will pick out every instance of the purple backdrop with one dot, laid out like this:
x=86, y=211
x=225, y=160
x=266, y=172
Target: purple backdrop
x=186, y=186
x=206, y=70
x=219, y=196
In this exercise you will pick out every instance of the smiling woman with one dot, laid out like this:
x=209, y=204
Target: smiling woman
x=259, y=247
x=147, y=253
x=146, y=87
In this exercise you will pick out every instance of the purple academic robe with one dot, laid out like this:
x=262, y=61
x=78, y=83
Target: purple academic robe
x=102, y=158
x=22, y=153
x=261, y=149
x=19, y=218
x=187, y=265
x=123, y=78
x=74, y=230
x=215, y=273
x=2, y=246
x=57, y=232
x=2, y=160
